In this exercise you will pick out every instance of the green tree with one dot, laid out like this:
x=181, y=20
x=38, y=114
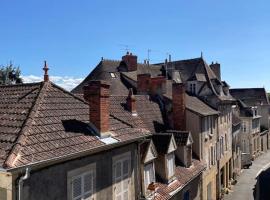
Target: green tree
x=10, y=74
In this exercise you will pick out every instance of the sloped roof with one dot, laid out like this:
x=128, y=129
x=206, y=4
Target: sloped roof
x=251, y=96
x=183, y=176
x=42, y=121
x=118, y=87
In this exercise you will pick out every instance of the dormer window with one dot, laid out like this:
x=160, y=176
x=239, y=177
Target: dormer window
x=192, y=88
x=148, y=167
x=170, y=164
x=113, y=75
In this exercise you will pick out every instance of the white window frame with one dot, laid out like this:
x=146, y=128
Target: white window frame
x=122, y=180
x=81, y=173
x=170, y=168
x=146, y=184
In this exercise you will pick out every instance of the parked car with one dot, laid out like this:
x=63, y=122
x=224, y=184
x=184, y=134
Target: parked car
x=246, y=160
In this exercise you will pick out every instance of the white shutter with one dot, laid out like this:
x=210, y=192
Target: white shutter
x=170, y=161
x=121, y=170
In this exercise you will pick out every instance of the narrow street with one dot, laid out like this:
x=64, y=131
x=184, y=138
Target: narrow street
x=245, y=185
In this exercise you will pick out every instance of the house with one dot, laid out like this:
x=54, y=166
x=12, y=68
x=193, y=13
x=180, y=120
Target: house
x=257, y=100
x=203, y=100
x=52, y=147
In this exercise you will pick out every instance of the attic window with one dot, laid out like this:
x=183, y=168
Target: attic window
x=113, y=75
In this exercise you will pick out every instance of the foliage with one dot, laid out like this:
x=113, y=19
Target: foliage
x=10, y=75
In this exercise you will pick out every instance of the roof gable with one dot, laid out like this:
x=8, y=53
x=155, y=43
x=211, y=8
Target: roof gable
x=151, y=152
x=172, y=145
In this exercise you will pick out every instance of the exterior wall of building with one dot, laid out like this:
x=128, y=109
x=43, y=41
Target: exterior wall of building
x=225, y=170
x=193, y=188
x=51, y=182
x=193, y=124
x=263, y=110
x=209, y=181
x=6, y=186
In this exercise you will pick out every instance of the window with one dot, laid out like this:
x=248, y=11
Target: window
x=170, y=164
x=226, y=143
x=113, y=75
x=186, y=195
x=82, y=183
x=244, y=127
x=149, y=175
x=192, y=88
x=121, y=176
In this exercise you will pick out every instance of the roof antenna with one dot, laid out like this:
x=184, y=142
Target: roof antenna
x=148, y=56
x=46, y=69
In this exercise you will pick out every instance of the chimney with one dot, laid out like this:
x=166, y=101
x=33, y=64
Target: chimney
x=143, y=83
x=179, y=106
x=131, y=102
x=170, y=58
x=97, y=94
x=158, y=85
x=131, y=61
x=46, y=69
x=216, y=69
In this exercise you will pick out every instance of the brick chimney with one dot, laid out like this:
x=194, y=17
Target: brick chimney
x=46, y=69
x=131, y=102
x=131, y=61
x=158, y=85
x=97, y=94
x=143, y=83
x=179, y=106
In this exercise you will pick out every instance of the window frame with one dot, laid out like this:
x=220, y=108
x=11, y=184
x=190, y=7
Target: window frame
x=146, y=191
x=81, y=172
x=116, y=159
x=169, y=176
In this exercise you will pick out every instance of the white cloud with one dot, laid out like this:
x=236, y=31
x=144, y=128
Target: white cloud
x=66, y=82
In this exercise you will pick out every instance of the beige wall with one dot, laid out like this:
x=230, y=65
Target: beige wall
x=6, y=186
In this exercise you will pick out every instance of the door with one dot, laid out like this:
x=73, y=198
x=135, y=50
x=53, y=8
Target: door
x=121, y=171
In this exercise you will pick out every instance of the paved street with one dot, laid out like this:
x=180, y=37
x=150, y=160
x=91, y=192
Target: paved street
x=244, y=188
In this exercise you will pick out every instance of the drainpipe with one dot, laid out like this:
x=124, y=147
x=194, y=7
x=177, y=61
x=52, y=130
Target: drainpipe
x=21, y=180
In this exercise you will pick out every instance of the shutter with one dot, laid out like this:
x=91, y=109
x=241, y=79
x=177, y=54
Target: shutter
x=88, y=183
x=76, y=187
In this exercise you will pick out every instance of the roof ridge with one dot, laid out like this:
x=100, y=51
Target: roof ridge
x=21, y=84
x=70, y=93
x=13, y=153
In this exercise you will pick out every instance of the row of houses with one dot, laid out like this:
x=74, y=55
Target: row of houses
x=171, y=130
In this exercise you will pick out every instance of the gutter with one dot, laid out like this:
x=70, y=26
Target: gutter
x=20, y=184
x=75, y=155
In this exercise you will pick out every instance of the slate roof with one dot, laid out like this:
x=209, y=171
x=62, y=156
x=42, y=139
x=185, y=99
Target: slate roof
x=42, y=121
x=251, y=96
x=181, y=137
x=161, y=142
x=118, y=86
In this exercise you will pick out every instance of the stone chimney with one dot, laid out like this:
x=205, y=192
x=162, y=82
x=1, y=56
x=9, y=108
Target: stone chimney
x=179, y=106
x=97, y=94
x=216, y=69
x=143, y=83
x=131, y=61
x=131, y=102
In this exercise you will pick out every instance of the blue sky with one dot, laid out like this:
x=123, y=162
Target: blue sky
x=73, y=35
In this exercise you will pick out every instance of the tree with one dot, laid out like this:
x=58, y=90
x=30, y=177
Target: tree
x=10, y=75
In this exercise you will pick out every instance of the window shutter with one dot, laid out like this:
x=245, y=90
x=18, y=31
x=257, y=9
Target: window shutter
x=88, y=183
x=76, y=187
